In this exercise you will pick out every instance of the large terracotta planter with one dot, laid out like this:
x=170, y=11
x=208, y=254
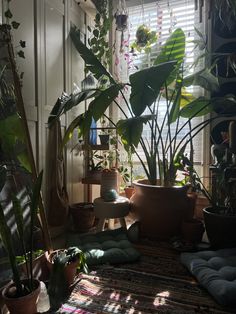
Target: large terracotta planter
x=220, y=228
x=161, y=210
x=22, y=305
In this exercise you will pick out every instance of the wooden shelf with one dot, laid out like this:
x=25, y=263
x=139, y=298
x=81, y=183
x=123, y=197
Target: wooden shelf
x=96, y=147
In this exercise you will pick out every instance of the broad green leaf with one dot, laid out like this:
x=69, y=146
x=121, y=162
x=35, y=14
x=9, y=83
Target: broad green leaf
x=146, y=85
x=173, y=50
x=23, y=158
x=92, y=63
x=66, y=102
x=85, y=124
x=3, y=177
x=79, y=122
x=11, y=132
x=203, y=78
x=100, y=103
x=174, y=112
x=199, y=107
x=131, y=130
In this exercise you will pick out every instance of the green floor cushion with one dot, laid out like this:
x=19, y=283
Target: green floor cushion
x=110, y=246
x=215, y=271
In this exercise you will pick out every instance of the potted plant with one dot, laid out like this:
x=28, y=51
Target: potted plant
x=144, y=39
x=63, y=265
x=160, y=205
x=220, y=217
x=21, y=294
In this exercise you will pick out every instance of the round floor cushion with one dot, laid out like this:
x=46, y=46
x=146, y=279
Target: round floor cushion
x=215, y=271
x=110, y=246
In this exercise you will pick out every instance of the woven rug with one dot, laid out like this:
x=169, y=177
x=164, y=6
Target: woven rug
x=158, y=283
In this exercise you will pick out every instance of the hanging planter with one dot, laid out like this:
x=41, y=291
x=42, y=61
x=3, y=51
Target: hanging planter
x=121, y=21
x=144, y=38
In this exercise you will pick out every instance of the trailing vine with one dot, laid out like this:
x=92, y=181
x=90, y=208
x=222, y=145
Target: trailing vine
x=98, y=42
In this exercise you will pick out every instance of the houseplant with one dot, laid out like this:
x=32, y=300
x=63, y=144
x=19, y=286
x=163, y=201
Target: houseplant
x=220, y=217
x=21, y=291
x=63, y=265
x=162, y=83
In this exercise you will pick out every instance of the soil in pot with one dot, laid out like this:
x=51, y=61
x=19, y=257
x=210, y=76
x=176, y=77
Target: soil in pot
x=21, y=305
x=83, y=216
x=220, y=227
x=160, y=210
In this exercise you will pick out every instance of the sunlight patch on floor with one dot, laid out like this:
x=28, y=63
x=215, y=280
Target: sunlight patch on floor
x=160, y=298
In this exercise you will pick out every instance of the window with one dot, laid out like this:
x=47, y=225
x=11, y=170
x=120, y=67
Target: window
x=163, y=17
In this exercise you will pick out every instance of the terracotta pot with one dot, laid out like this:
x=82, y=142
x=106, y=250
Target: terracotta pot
x=129, y=191
x=109, y=181
x=220, y=228
x=201, y=203
x=40, y=269
x=192, y=230
x=70, y=269
x=22, y=305
x=83, y=216
x=161, y=210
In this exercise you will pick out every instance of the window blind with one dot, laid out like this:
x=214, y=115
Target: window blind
x=163, y=17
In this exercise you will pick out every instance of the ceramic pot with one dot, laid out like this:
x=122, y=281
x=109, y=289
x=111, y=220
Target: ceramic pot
x=22, y=305
x=192, y=230
x=70, y=269
x=83, y=216
x=129, y=191
x=160, y=210
x=109, y=181
x=220, y=228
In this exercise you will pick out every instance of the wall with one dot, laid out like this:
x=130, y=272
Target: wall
x=51, y=65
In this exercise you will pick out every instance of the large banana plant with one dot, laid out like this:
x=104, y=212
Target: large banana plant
x=6, y=236
x=163, y=84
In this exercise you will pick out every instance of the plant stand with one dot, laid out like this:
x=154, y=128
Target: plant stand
x=111, y=210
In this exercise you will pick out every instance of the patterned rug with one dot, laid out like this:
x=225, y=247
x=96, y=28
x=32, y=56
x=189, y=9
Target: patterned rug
x=158, y=283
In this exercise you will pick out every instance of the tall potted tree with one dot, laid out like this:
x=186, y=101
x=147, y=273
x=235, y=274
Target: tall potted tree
x=20, y=295
x=163, y=83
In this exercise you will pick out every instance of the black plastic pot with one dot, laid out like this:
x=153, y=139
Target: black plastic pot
x=220, y=228
x=104, y=139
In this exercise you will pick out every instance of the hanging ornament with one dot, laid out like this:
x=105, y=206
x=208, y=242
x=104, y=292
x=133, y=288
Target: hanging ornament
x=121, y=16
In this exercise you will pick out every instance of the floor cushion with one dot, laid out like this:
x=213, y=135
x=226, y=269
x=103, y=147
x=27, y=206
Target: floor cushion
x=215, y=271
x=110, y=246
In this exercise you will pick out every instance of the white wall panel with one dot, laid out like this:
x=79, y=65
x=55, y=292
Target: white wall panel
x=54, y=54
